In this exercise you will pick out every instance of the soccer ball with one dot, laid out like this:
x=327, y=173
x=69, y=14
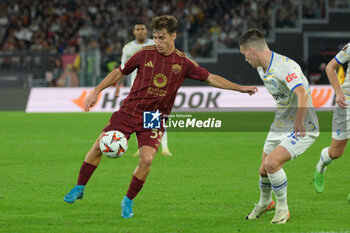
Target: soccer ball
x=113, y=144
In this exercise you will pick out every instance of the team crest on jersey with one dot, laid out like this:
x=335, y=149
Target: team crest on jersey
x=160, y=80
x=345, y=48
x=338, y=132
x=176, y=68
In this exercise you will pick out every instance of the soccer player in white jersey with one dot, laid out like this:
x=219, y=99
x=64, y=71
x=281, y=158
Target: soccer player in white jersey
x=341, y=118
x=140, y=32
x=295, y=127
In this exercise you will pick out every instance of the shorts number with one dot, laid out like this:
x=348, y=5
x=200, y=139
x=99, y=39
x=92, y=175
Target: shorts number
x=155, y=133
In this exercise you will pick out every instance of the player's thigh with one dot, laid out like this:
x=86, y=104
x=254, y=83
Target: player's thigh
x=276, y=159
x=296, y=147
x=272, y=140
x=341, y=122
x=120, y=121
x=150, y=137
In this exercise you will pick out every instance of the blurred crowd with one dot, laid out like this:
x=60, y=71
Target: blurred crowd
x=61, y=27
x=314, y=9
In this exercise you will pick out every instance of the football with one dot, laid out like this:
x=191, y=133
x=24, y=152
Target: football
x=113, y=144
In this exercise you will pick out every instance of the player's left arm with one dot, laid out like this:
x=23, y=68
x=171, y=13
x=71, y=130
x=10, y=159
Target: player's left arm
x=303, y=104
x=220, y=82
x=331, y=70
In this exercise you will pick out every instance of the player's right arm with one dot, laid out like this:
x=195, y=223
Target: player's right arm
x=113, y=77
x=199, y=73
x=125, y=57
x=109, y=80
x=331, y=70
x=220, y=82
x=303, y=104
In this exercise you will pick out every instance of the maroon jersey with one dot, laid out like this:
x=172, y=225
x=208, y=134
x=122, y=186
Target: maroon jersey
x=158, y=79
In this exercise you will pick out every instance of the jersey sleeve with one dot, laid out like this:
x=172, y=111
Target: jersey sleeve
x=124, y=54
x=195, y=71
x=131, y=64
x=344, y=55
x=291, y=76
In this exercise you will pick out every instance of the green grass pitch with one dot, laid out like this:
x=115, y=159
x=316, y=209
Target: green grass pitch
x=209, y=184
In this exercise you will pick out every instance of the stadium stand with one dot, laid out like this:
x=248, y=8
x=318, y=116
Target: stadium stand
x=43, y=37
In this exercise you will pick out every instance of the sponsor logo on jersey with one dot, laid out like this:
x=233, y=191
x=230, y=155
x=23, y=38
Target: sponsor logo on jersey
x=156, y=91
x=160, y=80
x=176, y=68
x=149, y=64
x=291, y=77
x=279, y=96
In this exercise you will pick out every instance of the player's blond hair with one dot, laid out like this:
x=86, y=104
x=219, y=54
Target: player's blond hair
x=167, y=22
x=253, y=37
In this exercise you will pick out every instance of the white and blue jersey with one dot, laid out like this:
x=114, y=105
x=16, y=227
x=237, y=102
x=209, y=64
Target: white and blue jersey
x=128, y=50
x=343, y=57
x=281, y=78
x=341, y=116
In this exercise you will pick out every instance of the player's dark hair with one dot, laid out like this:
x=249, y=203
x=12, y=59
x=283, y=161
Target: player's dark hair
x=252, y=35
x=139, y=23
x=167, y=22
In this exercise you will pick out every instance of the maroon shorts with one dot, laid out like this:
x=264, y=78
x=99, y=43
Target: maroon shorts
x=128, y=124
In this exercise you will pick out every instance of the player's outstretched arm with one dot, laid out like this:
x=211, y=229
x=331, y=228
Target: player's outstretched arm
x=117, y=87
x=331, y=70
x=303, y=104
x=220, y=82
x=109, y=80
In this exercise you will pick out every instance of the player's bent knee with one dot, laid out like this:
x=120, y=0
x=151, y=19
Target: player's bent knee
x=263, y=174
x=96, y=149
x=262, y=171
x=271, y=165
x=146, y=160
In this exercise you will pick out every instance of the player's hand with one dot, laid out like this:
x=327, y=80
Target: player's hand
x=300, y=130
x=251, y=90
x=90, y=101
x=117, y=91
x=341, y=100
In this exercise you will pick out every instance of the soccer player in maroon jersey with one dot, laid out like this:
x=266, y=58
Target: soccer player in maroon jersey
x=161, y=69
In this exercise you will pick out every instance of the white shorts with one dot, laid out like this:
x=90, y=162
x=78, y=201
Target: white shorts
x=341, y=122
x=294, y=147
